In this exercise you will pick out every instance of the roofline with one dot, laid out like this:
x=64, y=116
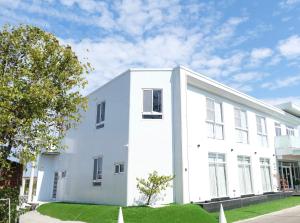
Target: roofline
x=126, y=72
x=239, y=94
x=214, y=83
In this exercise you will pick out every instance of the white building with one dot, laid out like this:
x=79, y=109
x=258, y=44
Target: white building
x=216, y=141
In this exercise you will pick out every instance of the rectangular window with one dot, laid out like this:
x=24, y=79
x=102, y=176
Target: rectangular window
x=214, y=119
x=100, y=118
x=245, y=177
x=290, y=131
x=119, y=168
x=262, y=130
x=217, y=175
x=152, y=104
x=97, y=172
x=265, y=174
x=241, y=125
x=277, y=129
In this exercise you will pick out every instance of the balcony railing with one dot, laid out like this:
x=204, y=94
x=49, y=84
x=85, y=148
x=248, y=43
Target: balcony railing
x=287, y=145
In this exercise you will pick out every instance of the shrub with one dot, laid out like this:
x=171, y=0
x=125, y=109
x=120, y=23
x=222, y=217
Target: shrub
x=153, y=185
x=13, y=194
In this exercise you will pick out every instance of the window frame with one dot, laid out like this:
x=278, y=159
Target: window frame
x=214, y=122
x=237, y=128
x=96, y=181
x=277, y=126
x=152, y=114
x=217, y=163
x=261, y=134
x=119, y=168
x=289, y=130
x=245, y=164
x=100, y=124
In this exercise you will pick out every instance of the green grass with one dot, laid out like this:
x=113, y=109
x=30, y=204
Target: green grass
x=171, y=214
x=108, y=214
x=259, y=209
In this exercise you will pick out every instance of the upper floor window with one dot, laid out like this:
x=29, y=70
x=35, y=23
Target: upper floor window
x=152, y=104
x=262, y=130
x=100, y=115
x=119, y=168
x=278, y=129
x=290, y=131
x=97, y=172
x=214, y=119
x=241, y=125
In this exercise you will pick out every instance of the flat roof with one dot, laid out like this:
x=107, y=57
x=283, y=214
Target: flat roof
x=291, y=108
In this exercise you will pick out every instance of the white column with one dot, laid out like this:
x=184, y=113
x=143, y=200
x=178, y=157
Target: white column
x=22, y=189
x=30, y=191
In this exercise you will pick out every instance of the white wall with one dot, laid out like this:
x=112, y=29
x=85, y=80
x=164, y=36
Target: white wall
x=150, y=140
x=86, y=142
x=198, y=156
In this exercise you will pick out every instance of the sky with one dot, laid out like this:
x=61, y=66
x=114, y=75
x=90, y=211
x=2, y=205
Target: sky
x=252, y=46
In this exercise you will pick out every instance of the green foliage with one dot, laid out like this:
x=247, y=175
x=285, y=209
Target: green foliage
x=11, y=193
x=40, y=82
x=89, y=213
x=153, y=185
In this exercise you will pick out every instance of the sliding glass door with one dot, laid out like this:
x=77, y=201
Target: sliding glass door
x=265, y=174
x=245, y=177
x=217, y=174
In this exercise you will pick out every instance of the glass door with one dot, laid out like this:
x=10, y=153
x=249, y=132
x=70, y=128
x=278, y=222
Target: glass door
x=217, y=175
x=265, y=174
x=287, y=177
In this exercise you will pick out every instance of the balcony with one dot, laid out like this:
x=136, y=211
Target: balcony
x=287, y=145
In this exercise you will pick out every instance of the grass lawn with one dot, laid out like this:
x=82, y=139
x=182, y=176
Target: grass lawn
x=260, y=209
x=189, y=213
x=109, y=214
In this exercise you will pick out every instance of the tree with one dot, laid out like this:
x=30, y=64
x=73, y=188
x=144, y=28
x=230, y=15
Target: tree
x=153, y=185
x=40, y=99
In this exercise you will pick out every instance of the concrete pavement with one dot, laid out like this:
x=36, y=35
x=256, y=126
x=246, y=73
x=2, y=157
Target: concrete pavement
x=36, y=217
x=290, y=215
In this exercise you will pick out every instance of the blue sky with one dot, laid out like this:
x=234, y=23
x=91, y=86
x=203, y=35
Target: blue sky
x=253, y=46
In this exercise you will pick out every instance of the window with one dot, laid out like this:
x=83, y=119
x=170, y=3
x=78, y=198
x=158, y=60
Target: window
x=265, y=174
x=97, y=173
x=262, y=130
x=63, y=174
x=277, y=129
x=290, y=131
x=241, y=126
x=152, y=104
x=100, y=115
x=119, y=168
x=214, y=119
x=245, y=178
x=217, y=175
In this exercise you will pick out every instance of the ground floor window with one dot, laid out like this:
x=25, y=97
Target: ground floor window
x=265, y=174
x=217, y=175
x=245, y=177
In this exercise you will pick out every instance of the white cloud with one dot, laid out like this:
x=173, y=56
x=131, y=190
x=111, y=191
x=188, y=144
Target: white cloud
x=288, y=3
x=290, y=47
x=282, y=83
x=113, y=55
x=249, y=76
x=261, y=53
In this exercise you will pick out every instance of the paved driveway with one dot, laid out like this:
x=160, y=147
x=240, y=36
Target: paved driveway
x=35, y=217
x=290, y=215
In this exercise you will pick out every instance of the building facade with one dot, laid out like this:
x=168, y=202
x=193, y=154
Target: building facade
x=217, y=142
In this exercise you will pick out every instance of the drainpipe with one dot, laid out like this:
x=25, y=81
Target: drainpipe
x=30, y=191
